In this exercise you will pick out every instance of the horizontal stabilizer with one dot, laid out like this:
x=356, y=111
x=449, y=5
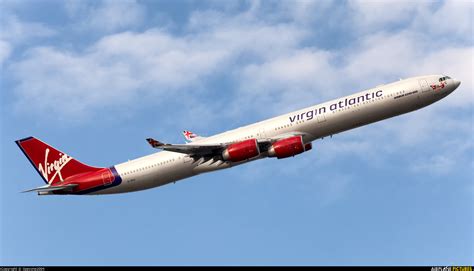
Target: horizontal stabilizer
x=49, y=188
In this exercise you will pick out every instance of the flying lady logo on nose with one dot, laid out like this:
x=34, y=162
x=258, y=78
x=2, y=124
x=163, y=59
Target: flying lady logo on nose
x=438, y=86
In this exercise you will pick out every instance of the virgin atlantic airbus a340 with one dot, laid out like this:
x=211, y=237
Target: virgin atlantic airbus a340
x=280, y=137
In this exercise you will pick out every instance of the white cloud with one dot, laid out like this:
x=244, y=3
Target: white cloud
x=5, y=50
x=16, y=31
x=300, y=75
x=243, y=33
x=457, y=62
x=382, y=54
x=448, y=156
x=114, y=71
x=112, y=15
x=106, y=15
x=146, y=64
x=377, y=15
x=438, y=164
x=295, y=69
x=274, y=64
x=286, y=81
x=306, y=10
x=447, y=21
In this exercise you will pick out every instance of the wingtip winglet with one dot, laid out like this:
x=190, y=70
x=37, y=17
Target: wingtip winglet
x=154, y=143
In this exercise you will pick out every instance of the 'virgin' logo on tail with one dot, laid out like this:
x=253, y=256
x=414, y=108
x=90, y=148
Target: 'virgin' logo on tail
x=55, y=167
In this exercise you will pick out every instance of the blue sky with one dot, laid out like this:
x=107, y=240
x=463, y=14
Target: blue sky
x=95, y=78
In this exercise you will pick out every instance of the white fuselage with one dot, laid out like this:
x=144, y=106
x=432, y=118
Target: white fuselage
x=314, y=122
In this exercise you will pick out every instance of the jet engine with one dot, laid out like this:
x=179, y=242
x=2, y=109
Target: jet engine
x=241, y=151
x=288, y=147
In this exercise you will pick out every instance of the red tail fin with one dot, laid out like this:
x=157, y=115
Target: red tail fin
x=53, y=165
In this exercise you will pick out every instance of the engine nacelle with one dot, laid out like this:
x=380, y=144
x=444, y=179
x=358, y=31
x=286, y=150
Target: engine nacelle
x=241, y=151
x=288, y=147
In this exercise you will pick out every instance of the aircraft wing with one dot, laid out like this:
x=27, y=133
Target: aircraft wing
x=49, y=188
x=212, y=149
x=285, y=135
x=191, y=149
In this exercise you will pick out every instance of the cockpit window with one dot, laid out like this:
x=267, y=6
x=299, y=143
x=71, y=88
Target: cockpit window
x=444, y=78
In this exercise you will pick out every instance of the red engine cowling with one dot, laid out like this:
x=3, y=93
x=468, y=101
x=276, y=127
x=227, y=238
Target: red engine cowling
x=288, y=147
x=241, y=151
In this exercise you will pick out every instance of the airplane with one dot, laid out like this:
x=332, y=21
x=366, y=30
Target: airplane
x=279, y=137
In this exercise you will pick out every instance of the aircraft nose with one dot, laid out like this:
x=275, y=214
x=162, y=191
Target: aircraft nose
x=456, y=83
